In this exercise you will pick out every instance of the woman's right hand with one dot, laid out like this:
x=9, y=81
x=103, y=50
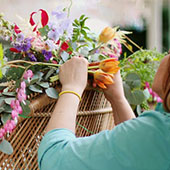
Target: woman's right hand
x=115, y=92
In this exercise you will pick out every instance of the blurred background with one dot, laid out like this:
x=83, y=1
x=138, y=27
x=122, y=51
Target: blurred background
x=149, y=20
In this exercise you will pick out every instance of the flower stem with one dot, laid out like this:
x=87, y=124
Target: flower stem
x=71, y=3
x=31, y=63
x=92, y=67
x=132, y=42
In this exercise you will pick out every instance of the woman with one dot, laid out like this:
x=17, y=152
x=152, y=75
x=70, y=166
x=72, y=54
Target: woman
x=141, y=143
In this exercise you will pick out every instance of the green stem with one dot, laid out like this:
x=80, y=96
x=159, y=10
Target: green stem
x=71, y=3
x=89, y=71
x=132, y=42
x=84, y=128
x=92, y=67
x=31, y=63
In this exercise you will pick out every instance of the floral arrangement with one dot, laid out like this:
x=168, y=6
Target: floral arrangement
x=38, y=48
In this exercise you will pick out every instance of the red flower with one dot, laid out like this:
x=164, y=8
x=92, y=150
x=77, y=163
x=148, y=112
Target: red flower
x=14, y=50
x=44, y=19
x=64, y=46
x=16, y=29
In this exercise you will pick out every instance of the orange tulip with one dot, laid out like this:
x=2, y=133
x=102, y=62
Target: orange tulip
x=109, y=65
x=107, y=34
x=102, y=79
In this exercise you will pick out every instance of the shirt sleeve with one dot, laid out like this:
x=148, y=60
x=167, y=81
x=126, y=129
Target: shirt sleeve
x=124, y=147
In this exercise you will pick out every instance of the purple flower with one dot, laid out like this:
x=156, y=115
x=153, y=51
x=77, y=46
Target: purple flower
x=24, y=45
x=32, y=57
x=20, y=37
x=67, y=26
x=47, y=54
x=59, y=13
x=53, y=35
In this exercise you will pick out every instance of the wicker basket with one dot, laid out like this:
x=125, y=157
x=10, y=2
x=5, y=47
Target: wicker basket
x=94, y=115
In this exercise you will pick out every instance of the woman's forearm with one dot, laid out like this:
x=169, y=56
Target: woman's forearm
x=64, y=114
x=122, y=111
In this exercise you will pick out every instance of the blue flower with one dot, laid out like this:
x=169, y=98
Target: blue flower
x=47, y=54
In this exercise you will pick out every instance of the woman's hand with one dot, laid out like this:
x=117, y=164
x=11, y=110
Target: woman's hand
x=73, y=74
x=115, y=92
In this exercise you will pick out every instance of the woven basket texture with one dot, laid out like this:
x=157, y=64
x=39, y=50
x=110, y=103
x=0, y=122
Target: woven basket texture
x=94, y=115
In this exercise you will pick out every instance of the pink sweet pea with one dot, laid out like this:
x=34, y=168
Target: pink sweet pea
x=14, y=114
x=28, y=74
x=21, y=96
x=2, y=133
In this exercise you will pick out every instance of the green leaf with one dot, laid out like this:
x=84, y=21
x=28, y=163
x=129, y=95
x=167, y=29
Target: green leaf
x=51, y=92
x=82, y=16
x=50, y=72
x=7, y=108
x=1, y=109
x=25, y=108
x=35, y=88
x=87, y=28
x=137, y=97
x=76, y=22
x=43, y=84
x=8, y=100
x=9, y=93
x=6, y=147
x=5, y=117
x=64, y=56
x=37, y=77
x=146, y=94
x=133, y=80
x=138, y=109
x=2, y=100
x=44, y=31
x=24, y=116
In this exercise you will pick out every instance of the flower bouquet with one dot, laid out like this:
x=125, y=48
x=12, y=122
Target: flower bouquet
x=38, y=48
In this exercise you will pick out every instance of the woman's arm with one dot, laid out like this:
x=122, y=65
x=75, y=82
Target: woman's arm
x=120, y=106
x=73, y=76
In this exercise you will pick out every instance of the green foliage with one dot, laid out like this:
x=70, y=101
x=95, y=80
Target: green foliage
x=142, y=62
x=80, y=30
x=44, y=31
x=133, y=92
x=25, y=108
x=14, y=73
x=6, y=147
x=52, y=93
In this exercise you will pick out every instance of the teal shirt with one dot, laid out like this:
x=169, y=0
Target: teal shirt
x=142, y=143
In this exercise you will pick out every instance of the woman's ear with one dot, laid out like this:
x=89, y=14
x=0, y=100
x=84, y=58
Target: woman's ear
x=161, y=75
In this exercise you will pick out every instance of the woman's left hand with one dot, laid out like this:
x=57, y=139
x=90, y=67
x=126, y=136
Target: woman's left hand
x=73, y=74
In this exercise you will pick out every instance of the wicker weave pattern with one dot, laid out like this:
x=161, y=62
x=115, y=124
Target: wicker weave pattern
x=94, y=114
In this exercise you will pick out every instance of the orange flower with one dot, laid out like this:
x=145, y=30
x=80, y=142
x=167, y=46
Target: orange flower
x=109, y=65
x=101, y=78
x=107, y=34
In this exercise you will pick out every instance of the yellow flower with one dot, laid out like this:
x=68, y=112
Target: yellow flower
x=107, y=34
x=109, y=65
x=102, y=79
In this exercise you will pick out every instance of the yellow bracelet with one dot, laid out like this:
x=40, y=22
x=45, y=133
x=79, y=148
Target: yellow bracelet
x=69, y=91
